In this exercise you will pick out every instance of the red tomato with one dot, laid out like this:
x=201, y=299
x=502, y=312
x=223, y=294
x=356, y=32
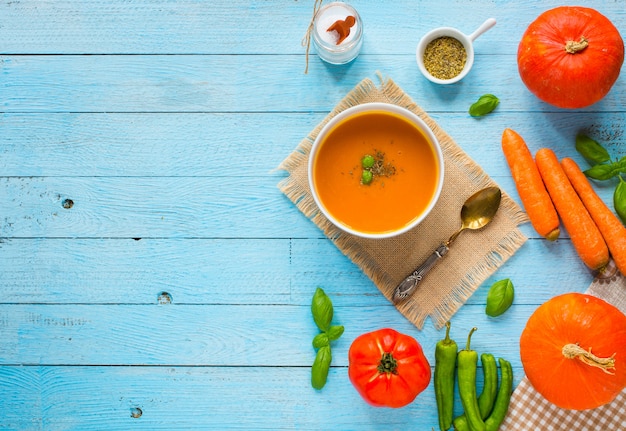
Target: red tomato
x=388, y=368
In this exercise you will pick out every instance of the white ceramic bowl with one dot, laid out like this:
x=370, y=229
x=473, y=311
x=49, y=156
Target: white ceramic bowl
x=414, y=121
x=466, y=40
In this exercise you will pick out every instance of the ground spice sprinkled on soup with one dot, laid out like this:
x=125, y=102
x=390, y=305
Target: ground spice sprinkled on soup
x=444, y=57
x=405, y=176
x=374, y=167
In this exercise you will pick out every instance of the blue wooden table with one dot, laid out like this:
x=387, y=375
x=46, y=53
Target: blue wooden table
x=153, y=276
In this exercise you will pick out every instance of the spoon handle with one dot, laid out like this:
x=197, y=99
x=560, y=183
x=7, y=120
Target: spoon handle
x=409, y=284
x=483, y=28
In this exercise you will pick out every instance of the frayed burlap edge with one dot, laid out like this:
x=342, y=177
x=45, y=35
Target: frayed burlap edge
x=507, y=246
x=300, y=195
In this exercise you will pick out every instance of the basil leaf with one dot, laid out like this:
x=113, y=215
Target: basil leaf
x=591, y=150
x=322, y=309
x=603, y=172
x=321, y=365
x=484, y=105
x=321, y=340
x=335, y=332
x=500, y=297
x=619, y=199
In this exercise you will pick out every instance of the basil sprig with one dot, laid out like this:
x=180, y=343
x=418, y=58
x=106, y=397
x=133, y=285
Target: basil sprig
x=500, y=297
x=322, y=310
x=484, y=105
x=602, y=169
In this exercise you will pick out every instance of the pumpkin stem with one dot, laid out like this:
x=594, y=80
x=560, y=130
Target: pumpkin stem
x=571, y=351
x=572, y=47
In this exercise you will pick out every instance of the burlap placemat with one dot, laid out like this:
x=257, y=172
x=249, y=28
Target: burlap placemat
x=474, y=256
x=529, y=411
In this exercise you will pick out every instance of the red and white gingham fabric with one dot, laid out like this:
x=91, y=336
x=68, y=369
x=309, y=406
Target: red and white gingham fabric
x=529, y=411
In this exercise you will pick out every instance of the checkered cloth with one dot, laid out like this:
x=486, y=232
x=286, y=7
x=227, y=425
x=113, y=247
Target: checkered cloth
x=529, y=411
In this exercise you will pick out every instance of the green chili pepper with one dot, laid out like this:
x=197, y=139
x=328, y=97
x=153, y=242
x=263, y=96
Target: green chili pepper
x=445, y=367
x=467, y=360
x=488, y=394
x=490, y=385
x=460, y=423
x=503, y=399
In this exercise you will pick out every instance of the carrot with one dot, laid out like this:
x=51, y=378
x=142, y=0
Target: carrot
x=610, y=226
x=584, y=233
x=530, y=187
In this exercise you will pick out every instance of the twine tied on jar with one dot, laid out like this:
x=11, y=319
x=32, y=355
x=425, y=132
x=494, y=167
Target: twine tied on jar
x=306, y=41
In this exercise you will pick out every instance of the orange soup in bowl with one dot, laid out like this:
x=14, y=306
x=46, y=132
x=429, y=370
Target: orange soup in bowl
x=376, y=170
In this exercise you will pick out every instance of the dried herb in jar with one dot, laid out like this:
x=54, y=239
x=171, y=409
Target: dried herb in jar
x=445, y=57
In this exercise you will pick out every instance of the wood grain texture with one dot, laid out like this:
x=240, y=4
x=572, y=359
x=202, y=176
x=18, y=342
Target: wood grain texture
x=202, y=271
x=250, y=144
x=250, y=27
x=175, y=207
x=193, y=398
x=218, y=335
x=273, y=83
x=173, y=291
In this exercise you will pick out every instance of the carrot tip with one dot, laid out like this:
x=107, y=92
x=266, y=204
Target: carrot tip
x=553, y=235
x=601, y=267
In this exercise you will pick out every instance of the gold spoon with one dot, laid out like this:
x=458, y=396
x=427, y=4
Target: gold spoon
x=477, y=211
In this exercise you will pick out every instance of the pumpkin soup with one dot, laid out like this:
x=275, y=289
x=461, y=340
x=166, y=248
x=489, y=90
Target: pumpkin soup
x=402, y=184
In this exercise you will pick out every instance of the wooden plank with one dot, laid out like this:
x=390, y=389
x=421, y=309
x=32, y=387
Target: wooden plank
x=245, y=27
x=160, y=207
x=150, y=144
x=220, y=335
x=249, y=144
x=265, y=271
x=197, y=398
x=186, y=207
x=173, y=83
x=145, y=271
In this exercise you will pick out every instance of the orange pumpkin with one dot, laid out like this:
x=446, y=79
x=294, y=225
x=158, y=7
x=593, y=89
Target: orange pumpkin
x=573, y=350
x=570, y=56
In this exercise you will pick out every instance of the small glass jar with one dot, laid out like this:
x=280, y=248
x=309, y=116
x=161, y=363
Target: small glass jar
x=326, y=41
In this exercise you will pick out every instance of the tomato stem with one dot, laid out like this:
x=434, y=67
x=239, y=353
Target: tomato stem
x=572, y=47
x=388, y=364
x=571, y=351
